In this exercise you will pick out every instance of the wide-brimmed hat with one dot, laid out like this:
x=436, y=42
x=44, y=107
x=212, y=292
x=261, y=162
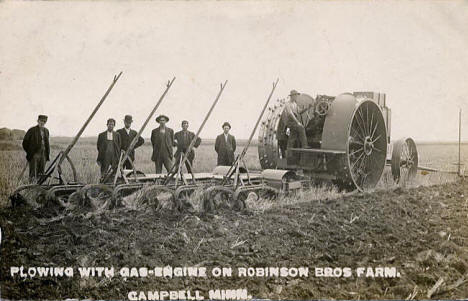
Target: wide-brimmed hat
x=158, y=119
x=294, y=92
x=226, y=124
x=42, y=117
x=128, y=118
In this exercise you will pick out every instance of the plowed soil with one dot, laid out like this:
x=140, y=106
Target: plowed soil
x=423, y=232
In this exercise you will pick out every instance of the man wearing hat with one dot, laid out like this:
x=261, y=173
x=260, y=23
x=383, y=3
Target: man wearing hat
x=183, y=140
x=126, y=137
x=225, y=146
x=296, y=129
x=36, y=146
x=108, y=146
x=162, y=139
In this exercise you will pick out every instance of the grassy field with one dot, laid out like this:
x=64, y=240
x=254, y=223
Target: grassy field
x=12, y=161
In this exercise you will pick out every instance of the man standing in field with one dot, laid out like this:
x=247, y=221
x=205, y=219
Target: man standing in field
x=108, y=146
x=183, y=140
x=225, y=146
x=162, y=139
x=126, y=136
x=290, y=114
x=36, y=146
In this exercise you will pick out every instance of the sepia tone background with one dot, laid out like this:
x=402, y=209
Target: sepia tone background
x=57, y=58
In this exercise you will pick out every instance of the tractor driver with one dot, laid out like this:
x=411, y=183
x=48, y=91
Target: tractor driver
x=295, y=127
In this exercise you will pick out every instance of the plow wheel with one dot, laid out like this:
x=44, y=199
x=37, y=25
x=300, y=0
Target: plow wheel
x=74, y=199
x=61, y=170
x=217, y=197
x=253, y=193
x=33, y=195
x=60, y=194
x=72, y=167
x=184, y=196
x=404, y=160
x=124, y=190
x=158, y=197
x=97, y=196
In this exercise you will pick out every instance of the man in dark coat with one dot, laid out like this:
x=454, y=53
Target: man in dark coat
x=225, y=146
x=183, y=140
x=162, y=139
x=126, y=136
x=289, y=116
x=36, y=145
x=108, y=146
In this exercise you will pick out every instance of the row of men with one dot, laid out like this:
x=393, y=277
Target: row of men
x=111, y=143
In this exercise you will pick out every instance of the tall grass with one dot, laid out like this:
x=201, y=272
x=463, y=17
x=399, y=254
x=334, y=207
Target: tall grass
x=313, y=194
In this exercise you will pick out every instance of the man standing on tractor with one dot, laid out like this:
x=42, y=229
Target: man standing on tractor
x=183, y=140
x=127, y=135
x=295, y=127
x=225, y=146
x=162, y=139
x=108, y=146
x=36, y=146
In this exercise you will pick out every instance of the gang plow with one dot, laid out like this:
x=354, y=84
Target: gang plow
x=155, y=191
x=226, y=186
x=348, y=135
x=173, y=188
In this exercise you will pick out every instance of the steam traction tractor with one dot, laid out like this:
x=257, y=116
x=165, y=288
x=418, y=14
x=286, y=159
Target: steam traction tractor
x=349, y=140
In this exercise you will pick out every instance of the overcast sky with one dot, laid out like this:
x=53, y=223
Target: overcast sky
x=58, y=58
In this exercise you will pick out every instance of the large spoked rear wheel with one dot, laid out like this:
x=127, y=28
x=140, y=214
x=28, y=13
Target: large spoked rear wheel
x=404, y=160
x=367, y=146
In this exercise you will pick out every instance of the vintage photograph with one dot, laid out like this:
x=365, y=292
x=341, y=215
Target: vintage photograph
x=233, y=150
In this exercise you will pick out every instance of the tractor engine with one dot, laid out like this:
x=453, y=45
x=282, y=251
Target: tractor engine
x=347, y=137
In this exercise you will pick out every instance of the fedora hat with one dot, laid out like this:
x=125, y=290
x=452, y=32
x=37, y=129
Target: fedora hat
x=294, y=92
x=226, y=124
x=128, y=118
x=158, y=119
